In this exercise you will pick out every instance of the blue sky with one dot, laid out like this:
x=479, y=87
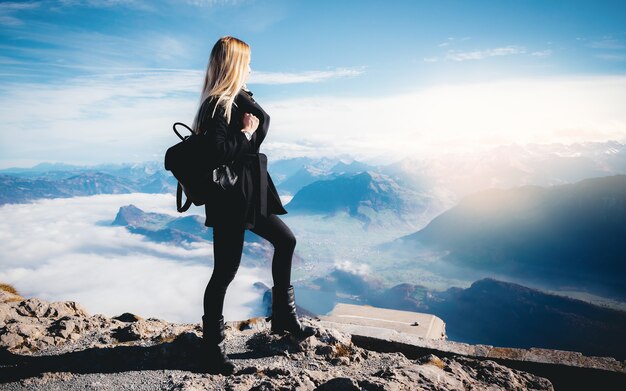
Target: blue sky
x=101, y=81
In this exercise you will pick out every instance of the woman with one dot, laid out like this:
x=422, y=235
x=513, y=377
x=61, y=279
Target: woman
x=236, y=126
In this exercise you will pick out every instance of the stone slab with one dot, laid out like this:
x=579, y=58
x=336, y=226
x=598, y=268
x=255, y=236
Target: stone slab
x=383, y=321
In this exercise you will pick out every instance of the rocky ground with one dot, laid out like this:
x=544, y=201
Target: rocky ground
x=59, y=346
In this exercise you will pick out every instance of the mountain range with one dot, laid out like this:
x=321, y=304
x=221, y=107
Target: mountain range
x=418, y=189
x=20, y=189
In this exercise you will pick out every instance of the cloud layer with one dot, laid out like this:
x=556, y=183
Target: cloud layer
x=127, y=117
x=66, y=249
x=458, y=117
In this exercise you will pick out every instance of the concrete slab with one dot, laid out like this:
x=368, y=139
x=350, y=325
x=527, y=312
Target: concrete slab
x=383, y=322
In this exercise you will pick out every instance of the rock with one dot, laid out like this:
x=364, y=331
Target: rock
x=140, y=330
x=340, y=361
x=497, y=375
x=27, y=330
x=10, y=340
x=32, y=307
x=385, y=373
x=317, y=377
x=7, y=313
x=66, y=308
x=254, y=324
x=324, y=350
x=127, y=317
x=329, y=343
x=39, y=309
x=432, y=360
x=65, y=327
x=275, y=371
x=339, y=384
x=240, y=383
x=375, y=385
x=8, y=296
x=48, y=377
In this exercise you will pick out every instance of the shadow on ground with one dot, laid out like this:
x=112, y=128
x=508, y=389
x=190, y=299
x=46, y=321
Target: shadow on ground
x=183, y=353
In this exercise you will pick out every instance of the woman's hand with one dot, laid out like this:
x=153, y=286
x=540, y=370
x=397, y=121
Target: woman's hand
x=250, y=123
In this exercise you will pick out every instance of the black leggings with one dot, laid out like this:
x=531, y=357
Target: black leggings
x=227, y=251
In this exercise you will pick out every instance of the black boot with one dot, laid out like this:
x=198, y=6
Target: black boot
x=215, y=359
x=284, y=317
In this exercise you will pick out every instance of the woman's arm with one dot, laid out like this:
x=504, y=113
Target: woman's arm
x=264, y=125
x=250, y=105
x=228, y=146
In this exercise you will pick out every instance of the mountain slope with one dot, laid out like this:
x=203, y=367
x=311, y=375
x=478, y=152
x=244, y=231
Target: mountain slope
x=573, y=235
x=350, y=193
x=507, y=314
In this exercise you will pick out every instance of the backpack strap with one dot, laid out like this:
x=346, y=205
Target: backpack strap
x=179, y=200
x=183, y=125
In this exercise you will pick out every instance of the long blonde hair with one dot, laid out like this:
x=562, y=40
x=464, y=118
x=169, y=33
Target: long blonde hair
x=225, y=75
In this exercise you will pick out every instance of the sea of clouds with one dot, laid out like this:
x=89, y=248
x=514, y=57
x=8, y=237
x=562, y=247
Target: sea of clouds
x=67, y=249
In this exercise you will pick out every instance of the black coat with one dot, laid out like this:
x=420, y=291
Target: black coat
x=254, y=193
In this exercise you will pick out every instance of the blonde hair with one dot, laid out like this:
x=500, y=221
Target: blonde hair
x=225, y=76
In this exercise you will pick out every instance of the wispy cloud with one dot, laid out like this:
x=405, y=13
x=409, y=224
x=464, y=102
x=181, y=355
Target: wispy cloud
x=458, y=55
x=482, y=54
x=136, y=4
x=451, y=40
x=606, y=43
x=8, y=11
x=542, y=53
x=80, y=48
x=89, y=115
x=209, y=3
x=303, y=77
x=611, y=57
x=66, y=249
x=608, y=48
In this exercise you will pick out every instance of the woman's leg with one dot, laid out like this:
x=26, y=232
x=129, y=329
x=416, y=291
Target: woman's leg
x=274, y=230
x=284, y=316
x=227, y=251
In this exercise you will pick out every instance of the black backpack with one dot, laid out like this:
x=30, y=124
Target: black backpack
x=191, y=162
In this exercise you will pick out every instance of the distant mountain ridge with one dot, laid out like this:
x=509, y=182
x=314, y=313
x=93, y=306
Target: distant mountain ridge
x=160, y=227
x=438, y=182
x=18, y=189
x=369, y=196
x=571, y=234
x=312, y=171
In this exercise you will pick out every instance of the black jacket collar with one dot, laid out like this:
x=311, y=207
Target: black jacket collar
x=247, y=91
